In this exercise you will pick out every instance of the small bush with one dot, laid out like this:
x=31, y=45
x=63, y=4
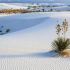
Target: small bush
x=7, y=30
x=60, y=44
x=4, y=30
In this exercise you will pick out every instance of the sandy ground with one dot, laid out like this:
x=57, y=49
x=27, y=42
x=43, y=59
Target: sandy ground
x=33, y=41
x=28, y=63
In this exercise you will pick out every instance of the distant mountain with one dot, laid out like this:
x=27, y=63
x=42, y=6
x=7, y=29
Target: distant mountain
x=31, y=1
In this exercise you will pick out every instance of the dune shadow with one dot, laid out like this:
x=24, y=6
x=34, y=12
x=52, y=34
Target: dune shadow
x=17, y=24
x=32, y=55
x=44, y=54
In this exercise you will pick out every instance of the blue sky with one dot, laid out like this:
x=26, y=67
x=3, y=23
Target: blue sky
x=61, y=1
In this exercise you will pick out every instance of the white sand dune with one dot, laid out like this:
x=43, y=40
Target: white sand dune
x=31, y=34
x=10, y=6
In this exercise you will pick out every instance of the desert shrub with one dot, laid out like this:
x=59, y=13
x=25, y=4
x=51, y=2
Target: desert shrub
x=4, y=30
x=60, y=44
x=7, y=30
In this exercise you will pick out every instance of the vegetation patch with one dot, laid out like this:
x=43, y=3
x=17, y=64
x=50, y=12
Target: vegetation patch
x=62, y=43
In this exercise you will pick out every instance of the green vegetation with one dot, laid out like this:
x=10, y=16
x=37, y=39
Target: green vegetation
x=61, y=43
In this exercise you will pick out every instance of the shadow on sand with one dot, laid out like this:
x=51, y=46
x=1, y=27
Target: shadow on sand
x=15, y=24
x=45, y=54
x=38, y=55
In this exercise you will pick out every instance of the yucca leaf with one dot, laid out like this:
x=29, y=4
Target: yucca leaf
x=61, y=44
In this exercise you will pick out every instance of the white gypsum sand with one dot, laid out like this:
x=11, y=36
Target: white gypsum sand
x=31, y=33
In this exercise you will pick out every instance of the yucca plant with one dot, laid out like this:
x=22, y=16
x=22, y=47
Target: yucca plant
x=60, y=44
x=64, y=28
